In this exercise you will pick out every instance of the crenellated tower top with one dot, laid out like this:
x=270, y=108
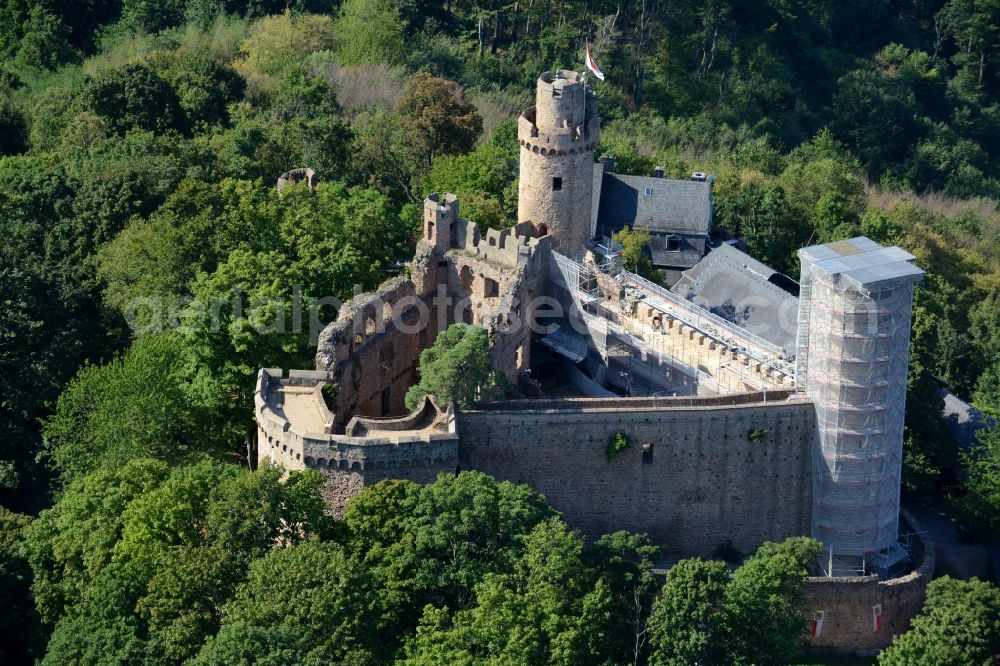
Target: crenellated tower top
x=557, y=137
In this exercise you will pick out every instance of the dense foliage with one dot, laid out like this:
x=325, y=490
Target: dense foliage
x=143, y=139
x=149, y=268
x=959, y=626
x=457, y=368
x=205, y=563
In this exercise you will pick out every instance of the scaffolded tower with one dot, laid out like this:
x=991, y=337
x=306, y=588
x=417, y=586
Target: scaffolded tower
x=855, y=307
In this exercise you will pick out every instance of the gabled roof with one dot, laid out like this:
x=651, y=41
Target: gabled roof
x=737, y=287
x=681, y=206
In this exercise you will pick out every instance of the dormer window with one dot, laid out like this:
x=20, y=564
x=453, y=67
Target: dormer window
x=649, y=191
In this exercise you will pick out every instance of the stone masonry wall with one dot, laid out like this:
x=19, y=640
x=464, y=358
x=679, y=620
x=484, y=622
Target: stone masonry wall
x=557, y=137
x=349, y=463
x=702, y=483
x=847, y=605
x=373, y=349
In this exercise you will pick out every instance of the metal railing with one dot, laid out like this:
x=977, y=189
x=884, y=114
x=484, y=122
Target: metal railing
x=703, y=320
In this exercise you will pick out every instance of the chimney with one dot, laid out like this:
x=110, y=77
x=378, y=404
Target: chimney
x=699, y=176
x=658, y=172
x=609, y=163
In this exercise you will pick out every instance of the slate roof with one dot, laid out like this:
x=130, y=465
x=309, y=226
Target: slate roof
x=737, y=287
x=963, y=419
x=595, y=200
x=690, y=249
x=675, y=206
x=680, y=208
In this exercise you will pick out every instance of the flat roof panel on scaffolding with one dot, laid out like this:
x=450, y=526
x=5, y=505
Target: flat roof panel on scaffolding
x=862, y=261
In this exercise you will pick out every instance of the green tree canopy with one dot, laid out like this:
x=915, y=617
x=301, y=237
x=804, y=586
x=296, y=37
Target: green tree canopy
x=751, y=616
x=304, y=604
x=133, y=97
x=432, y=544
x=959, y=626
x=155, y=554
x=457, y=368
x=436, y=118
x=369, y=31
x=151, y=402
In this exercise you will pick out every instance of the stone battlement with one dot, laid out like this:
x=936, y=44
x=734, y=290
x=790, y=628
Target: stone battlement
x=294, y=429
x=512, y=248
x=644, y=403
x=564, y=119
x=504, y=247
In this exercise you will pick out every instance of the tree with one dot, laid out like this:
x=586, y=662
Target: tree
x=151, y=15
x=384, y=154
x=204, y=85
x=44, y=44
x=752, y=616
x=133, y=97
x=624, y=562
x=140, y=561
x=150, y=402
x=457, y=368
x=972, y=26
x=484, y=182
x=369, y=31
x=436, y=118
x=432, y=544
x=636, y=256
x=764, y=601
x=874, y=115
x=43, y=338
x=759, y=214
x=686, y=626
x=13, y=127
x=274, y=44
x=71, y=542
x=981, y=505
x=304, y=604
x=544, y=612
x=304, y=246
x=20, y=628
x=959, y=626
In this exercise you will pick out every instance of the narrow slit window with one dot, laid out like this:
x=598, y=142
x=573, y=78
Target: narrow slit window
x=556, y=184
x=649, y=191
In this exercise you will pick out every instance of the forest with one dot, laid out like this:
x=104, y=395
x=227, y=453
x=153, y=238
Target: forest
x=146, y=257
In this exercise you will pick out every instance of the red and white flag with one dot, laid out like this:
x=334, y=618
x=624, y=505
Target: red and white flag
x=817, y=623
x=592, y=66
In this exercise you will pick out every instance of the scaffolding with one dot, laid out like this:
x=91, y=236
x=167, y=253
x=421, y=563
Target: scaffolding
x=608, y=254
x=651, y=357
x=854, y=333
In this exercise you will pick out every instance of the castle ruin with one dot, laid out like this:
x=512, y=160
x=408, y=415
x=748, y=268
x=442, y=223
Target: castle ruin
x=739, y=433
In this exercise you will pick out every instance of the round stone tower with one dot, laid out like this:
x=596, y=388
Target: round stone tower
x=558, y=136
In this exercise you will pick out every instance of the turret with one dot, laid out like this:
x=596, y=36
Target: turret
x=557, y=137
x=440, y=213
